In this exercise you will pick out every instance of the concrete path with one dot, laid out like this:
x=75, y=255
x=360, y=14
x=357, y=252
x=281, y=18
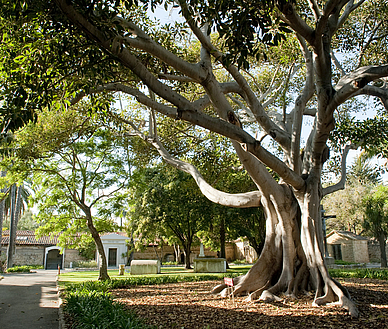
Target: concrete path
x=29, y=300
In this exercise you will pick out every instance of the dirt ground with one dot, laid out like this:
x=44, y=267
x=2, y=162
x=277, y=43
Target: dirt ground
x=190, y=306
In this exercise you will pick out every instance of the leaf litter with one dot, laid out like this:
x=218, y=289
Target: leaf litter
x=189, y=305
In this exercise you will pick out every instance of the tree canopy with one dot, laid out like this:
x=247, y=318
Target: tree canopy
x=311, y=59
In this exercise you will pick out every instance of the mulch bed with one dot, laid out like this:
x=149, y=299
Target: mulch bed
x=190, y=306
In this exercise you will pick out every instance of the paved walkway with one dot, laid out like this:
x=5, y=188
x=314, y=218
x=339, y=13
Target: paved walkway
x=29, y=300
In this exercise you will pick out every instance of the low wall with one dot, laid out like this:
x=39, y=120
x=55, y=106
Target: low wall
x=139, y=267
x=210, y=265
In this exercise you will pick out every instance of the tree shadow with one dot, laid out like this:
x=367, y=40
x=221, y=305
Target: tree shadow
x=172, y=307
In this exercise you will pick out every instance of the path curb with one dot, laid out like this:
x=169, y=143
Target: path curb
x=61, y=316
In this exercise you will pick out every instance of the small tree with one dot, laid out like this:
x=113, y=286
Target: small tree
x=78, y=171
x=376, y=218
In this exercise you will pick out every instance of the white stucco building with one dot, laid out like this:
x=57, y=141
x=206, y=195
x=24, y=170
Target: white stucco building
x=115, y=248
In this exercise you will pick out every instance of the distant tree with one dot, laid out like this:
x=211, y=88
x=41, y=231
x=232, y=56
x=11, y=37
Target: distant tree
x=363, y=171
x=346, y=204
x=165, y=205
x=376, y=218
x=78, y=171
x=27, y=222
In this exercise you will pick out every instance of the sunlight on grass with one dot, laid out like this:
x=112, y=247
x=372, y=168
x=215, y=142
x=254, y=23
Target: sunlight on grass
x=80, y=276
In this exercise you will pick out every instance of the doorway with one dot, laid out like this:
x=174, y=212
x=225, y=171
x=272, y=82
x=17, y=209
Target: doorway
x=112, y=257
x=53, y=259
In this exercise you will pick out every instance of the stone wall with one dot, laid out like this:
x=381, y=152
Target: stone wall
x=347, y=250
x=27, y=255
x=360, y=251
x=169, y=254
x=374, y=251
x=71, y=256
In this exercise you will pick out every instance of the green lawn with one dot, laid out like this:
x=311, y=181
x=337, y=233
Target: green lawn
x=80, y=276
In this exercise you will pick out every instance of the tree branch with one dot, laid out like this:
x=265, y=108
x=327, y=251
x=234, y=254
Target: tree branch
x=341, y=184
x=352, y=83
x=240, y=200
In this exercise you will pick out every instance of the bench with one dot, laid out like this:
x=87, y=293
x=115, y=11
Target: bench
x=145, y=266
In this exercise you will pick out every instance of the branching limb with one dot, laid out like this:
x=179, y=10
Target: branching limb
x=256, y=107
x=379, y=92
x=300, y=104
x=350, y=7
x=351, y=83
x=337, y=63
x=371, y=38
x=241, y=200
x=315, y=9
x=341, y=184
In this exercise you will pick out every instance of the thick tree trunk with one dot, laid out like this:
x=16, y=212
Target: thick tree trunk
x=382, y=249
x=292, y=258
x=103, y=270
x=2, y=209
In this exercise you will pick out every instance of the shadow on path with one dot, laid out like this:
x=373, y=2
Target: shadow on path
x=29, y=300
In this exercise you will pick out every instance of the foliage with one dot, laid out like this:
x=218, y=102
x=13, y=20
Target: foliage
x=103, y=286
x=364, y=273
x=24, y=268
x=376, y=211
x=27, y=222
x=86, y=246
x=85, y=264
x=346, y=204
x=93, y=309
x=152, y=217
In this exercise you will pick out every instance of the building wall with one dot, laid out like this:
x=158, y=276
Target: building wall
x=374, y=251
x=360, y=251
x=346, y=247
x=71, y=256
x=27, y=255
x=352, y=250
x=168, y=253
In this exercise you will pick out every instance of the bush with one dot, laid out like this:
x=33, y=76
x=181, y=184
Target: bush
x=171, y=263
x=24, y=268
x=103, y=286
x=240, y=261
x=342, y=262
x=85, y=264
x=96, y=309
x=363, y=273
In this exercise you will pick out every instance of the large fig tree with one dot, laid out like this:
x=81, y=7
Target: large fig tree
x=60, y=51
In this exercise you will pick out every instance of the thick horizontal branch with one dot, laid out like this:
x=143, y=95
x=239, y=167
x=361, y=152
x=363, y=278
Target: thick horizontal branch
x=239, y=200
x=352, y=83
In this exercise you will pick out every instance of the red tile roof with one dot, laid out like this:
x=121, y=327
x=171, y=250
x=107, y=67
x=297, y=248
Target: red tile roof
x=28, y=238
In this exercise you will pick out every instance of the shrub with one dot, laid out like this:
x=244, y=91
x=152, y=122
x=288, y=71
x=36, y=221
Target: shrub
x=363, y=273
x=85, y=264
x=95, y=309
x=24, y=268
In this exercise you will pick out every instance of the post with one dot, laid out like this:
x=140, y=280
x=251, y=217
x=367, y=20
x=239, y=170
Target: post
x=230, y=283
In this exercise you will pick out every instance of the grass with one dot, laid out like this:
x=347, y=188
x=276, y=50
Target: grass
x=171, y=274
x=90, y=305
